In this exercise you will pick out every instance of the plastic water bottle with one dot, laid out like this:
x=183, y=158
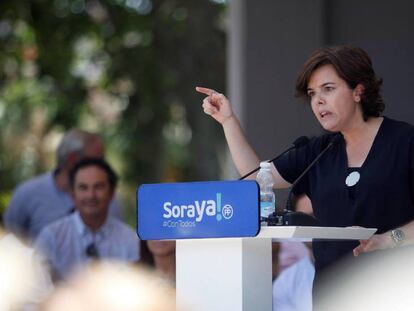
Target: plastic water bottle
x=267, y=196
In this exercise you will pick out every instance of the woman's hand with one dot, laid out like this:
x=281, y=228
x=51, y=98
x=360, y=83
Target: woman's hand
x=376, y=242
x=216, y=105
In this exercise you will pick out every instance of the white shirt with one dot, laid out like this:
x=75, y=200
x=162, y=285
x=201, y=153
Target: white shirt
x=64, y=243
x=291, y=252
x=292, y=289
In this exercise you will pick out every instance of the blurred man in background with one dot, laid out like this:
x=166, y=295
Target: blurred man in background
x=46, y=198
x=89, y=233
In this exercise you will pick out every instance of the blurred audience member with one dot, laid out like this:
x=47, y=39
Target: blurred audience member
x=113, y=287
x=24, y=282
x=163, y=254
x=291, y=252
x=292, y=289
x=380, y=281
x=89, y=233
x=46, y=198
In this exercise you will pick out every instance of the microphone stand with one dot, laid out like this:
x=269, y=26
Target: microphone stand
x=288, y=217
x=300, y=141
x=269, y=161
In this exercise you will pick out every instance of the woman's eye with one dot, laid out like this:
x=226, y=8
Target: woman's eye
x=329, y=88
x=310, y=94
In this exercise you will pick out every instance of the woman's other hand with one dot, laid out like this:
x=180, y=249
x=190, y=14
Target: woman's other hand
x=376, y=242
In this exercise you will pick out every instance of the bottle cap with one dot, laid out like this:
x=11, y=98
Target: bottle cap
x=265, y=164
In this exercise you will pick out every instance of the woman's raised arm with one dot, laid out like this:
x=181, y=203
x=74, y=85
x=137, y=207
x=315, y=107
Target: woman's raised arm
x=244, y=157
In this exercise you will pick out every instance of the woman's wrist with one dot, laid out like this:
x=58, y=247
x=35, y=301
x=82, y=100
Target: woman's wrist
x=387, y=241
x=228, y=120
x=397, y=237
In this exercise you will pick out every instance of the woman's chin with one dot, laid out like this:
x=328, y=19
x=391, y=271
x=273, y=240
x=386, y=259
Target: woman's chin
x=329, y=126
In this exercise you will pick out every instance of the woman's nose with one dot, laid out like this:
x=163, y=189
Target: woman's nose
x=319, y=99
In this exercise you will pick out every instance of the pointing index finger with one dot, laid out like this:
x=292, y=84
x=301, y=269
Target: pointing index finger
x=205, y=90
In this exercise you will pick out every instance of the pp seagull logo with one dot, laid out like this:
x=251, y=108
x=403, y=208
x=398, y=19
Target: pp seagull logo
x=227, y=211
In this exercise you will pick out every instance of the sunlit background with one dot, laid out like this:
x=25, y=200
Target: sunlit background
x=124, y=68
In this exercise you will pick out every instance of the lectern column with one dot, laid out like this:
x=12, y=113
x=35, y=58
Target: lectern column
x=224, y=274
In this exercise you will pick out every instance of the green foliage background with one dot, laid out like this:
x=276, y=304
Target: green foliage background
x=124, y=68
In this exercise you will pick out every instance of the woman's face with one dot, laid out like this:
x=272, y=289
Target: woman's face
x=335, y=105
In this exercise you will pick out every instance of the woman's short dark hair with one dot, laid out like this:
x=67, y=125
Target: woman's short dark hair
x=353, y=65
x=86, y=162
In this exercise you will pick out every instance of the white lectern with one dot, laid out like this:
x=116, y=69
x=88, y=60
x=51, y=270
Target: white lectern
x=235, y=274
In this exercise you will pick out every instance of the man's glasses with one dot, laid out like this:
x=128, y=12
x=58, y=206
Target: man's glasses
x=92, y=251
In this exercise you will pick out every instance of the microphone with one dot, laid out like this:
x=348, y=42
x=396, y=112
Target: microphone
x=299, y=142
x=287, y=217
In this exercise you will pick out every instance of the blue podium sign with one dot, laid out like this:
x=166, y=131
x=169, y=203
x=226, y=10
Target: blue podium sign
x=211, y=209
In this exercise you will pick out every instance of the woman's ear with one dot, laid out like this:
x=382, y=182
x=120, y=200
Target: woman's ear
x=358, y=91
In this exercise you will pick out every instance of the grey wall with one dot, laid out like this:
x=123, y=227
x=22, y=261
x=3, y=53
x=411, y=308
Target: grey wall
x=271, y=39
x=386, y=30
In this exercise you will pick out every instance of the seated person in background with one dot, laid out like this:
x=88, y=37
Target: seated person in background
x=161, y=255
x=19, y=262
x=46, y=198
x=291, y=252
x=292, y=289
x=113, y=287
x=89, y=233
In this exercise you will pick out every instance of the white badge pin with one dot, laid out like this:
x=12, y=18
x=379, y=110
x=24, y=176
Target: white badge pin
x=352, y=179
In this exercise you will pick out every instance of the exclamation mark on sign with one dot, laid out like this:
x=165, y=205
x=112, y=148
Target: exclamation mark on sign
x=218, y=204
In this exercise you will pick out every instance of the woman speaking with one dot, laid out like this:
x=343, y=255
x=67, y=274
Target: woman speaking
x=366, y=178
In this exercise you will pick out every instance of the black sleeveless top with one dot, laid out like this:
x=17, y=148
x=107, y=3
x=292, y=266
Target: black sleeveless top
x=383, y=198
